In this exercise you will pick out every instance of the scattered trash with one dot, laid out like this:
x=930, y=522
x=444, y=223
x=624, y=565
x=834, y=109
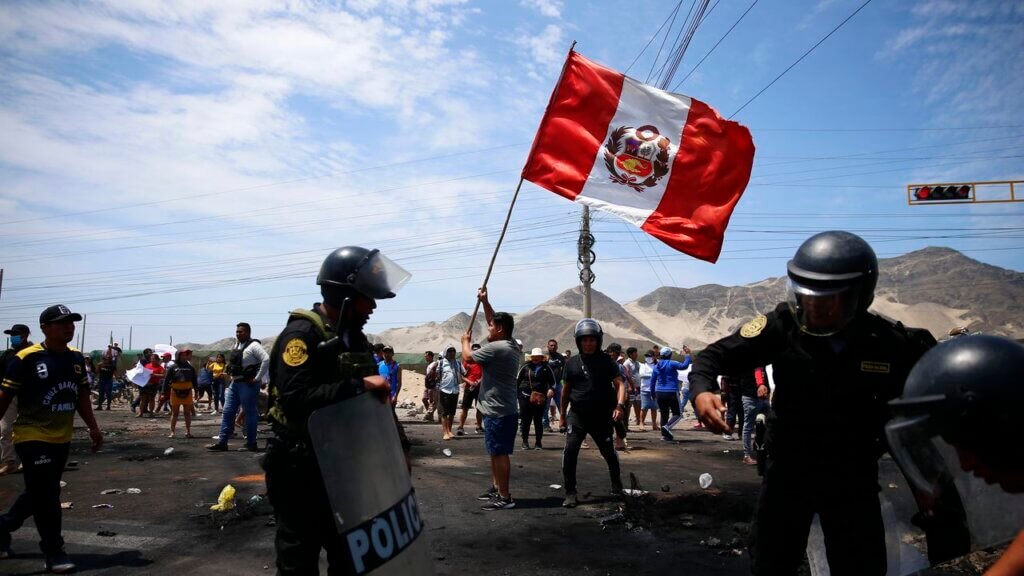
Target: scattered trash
x=169, y=451
x=666, y=488
x=103, y=506
x=688, y=524
x=710, y=542
x=67, y=505
x=736, y=552
x=133, y=491
x=447, y=452
x=63, y=484
x=632, y=492
x=256, y=500
x=615, y=518
x=893, y=486
x=226, y=500
x=110, y=491
x=106, y=533
x=555, y=486
x=725, y=451
x=705, y=480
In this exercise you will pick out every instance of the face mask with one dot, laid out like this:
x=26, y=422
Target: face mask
x=16, y=340
x=648, y=359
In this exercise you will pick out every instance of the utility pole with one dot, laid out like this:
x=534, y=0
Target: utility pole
x=586, y=259
x=130, y=328
x=1, y=281
x=85, y=320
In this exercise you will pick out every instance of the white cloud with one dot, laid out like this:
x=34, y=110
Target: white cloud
x=549, y=8
x=546, y=50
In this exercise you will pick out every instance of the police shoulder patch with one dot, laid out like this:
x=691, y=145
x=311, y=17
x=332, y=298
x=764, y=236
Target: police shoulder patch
x=754, y=327
x=295, y=352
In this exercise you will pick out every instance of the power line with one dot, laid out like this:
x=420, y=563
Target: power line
x=724, y=36
x=655, y=35
x=798, y=60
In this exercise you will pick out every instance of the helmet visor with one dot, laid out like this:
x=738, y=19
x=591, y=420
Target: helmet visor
x=379, y=277
x=822, y=311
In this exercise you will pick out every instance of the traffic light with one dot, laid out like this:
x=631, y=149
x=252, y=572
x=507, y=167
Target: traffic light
x=941, y=193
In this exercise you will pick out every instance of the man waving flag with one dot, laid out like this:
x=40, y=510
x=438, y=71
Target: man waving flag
x=664, y=162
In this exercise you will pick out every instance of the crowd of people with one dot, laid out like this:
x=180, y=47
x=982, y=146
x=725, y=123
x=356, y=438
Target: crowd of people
x=815, y=349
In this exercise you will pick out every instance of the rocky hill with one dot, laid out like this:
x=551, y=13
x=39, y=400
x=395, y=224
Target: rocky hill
x=933, y=288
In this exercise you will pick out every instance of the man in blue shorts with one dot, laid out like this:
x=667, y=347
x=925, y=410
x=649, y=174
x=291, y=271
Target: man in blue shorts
x=498, y=401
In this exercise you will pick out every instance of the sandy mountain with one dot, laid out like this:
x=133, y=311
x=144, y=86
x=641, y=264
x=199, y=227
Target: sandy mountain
x=432, y=335
x=933, y=288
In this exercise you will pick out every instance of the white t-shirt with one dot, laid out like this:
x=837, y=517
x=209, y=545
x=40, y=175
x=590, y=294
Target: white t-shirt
x=645, y=376
x=450, y=376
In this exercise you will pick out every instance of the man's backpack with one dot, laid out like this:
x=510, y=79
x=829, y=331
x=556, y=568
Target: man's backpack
x=433, y=375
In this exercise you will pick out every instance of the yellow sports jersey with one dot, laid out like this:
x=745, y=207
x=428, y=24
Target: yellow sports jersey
x=47, y=385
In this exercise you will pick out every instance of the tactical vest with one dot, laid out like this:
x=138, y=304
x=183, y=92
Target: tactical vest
x=352, y=367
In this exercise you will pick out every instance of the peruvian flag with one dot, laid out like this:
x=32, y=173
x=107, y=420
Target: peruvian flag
x=661, y=161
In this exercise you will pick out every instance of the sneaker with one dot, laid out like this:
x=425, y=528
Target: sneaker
x=491, y=494
x=538, y=446
x=726, y=436
x=570, y=501
x=218, y=447
x=460, y=432
x=499, y=503
x=666, y=435
x=59, y=564
x=616, y=491
x=249, y=448
x=549, y=430
x=479, y=430
x=525, y=445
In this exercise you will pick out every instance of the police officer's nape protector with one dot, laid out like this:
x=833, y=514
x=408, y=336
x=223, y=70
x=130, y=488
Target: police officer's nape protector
x=832, y=279
x=588, y=327
x=965, y=393
x=367, y=272
x=364, y=472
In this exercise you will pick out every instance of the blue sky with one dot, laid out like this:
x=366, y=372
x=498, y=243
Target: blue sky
x=179, y=168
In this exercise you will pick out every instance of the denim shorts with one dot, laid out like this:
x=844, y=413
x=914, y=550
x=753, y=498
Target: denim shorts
x=500, y=434
x=647, y=401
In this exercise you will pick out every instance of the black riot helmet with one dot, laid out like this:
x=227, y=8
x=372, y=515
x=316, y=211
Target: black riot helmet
x=964, y=391
x=832, y=279
x=588, y=327
x=353, y=269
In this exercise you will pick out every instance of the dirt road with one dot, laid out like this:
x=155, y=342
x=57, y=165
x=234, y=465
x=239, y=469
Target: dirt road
x=169, y=529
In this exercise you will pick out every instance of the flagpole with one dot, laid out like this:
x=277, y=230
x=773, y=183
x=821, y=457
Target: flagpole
x=494, y=256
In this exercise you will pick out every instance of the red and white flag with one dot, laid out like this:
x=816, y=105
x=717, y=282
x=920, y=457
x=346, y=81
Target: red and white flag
x=661, y=161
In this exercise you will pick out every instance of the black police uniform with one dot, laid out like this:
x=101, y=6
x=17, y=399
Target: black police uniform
x=592, y=399
x=304, y=378
x=825, y=432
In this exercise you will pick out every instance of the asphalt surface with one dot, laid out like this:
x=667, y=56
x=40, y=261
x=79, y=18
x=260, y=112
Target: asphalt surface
x=169, y=529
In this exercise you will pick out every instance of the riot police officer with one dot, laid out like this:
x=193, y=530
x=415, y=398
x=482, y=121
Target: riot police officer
x=965, y=392
x=834, y=361
x=320, y=358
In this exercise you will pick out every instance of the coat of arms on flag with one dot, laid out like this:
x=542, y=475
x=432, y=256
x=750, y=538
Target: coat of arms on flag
x=665, y=162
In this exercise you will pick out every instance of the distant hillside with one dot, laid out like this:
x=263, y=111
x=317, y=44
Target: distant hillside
x=933, y=288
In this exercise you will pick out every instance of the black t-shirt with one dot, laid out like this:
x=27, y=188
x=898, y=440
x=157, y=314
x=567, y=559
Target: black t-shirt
x=557, y=363
x=591, y=383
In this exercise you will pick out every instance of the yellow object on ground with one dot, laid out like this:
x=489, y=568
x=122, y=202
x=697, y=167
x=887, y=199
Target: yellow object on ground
x=226, y=500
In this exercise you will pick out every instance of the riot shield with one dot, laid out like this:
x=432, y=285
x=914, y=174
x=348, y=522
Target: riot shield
x=992, y=517
x=368, y=485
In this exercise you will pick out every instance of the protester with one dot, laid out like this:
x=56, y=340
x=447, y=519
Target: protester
x=614, y=351
x=536, y=383
x=247, y=369
x=430, y=379
x=90, y=371
x=556, y=361
x=632, y=366
x=163, y=398
x=391, y=370
x=826, y=348
x=755, y=401
x=19, y=334
x=648, y=404
x=665, y=383
x=451, y=373
x=106, y=380
x=499, y=359
x=732, y=395
x=594, y=397
x=148, y=393
x=322, y=357
x=180, y=383
x=217, y=369
x=204, y=386
x=49, y=381
x=470, y=393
